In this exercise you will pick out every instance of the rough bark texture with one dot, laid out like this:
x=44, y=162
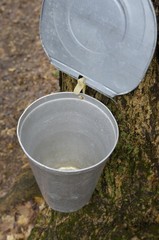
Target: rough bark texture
x=125, y=204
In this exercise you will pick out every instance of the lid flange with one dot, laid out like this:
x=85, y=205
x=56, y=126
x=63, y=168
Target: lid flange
x=111, y=44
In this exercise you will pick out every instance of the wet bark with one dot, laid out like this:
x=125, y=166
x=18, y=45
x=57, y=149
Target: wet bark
x=125, y=204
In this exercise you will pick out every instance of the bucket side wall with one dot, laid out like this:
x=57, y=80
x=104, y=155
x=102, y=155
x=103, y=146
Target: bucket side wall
x=64, y=192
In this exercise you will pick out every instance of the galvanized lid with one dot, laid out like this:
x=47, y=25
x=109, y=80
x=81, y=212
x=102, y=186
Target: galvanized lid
x=109, y=42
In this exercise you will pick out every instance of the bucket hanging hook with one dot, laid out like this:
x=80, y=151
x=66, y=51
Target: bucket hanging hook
x=81, y=86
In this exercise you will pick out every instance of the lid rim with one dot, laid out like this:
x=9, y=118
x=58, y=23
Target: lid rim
x=70, y=65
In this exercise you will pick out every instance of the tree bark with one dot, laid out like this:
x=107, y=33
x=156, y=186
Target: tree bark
x=125, y=202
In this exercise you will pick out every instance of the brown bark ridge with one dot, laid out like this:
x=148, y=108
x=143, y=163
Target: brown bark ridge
x=125, y=204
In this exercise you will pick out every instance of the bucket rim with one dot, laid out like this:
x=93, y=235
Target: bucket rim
x=70, y=95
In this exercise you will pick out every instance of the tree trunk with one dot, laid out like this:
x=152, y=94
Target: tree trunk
x=125, y=204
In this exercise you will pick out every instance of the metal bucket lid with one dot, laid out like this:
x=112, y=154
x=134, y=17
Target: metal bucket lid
x=109, y=42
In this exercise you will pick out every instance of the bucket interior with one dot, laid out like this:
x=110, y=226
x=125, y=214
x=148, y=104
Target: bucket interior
x=67, y=133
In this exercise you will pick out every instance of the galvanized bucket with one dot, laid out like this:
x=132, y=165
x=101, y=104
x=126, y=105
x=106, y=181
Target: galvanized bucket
x=68, y=139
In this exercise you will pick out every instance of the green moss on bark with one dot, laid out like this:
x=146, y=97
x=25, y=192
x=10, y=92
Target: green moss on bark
x=125, y=204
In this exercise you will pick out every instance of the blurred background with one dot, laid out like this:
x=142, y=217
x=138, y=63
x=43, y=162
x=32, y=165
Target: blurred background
x=25, y=75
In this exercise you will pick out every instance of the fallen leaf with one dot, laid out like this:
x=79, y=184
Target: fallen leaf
x=23, y=220
x=39, y=200
x=41, y=203
x=11, y=237
x=19, y=236
x=27, y=233
x=7, y=223
x=11, y=69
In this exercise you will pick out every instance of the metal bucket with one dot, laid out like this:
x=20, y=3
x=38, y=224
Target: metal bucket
x=68, y=139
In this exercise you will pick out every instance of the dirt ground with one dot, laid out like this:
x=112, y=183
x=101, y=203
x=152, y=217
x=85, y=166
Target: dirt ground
x=25, y=75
